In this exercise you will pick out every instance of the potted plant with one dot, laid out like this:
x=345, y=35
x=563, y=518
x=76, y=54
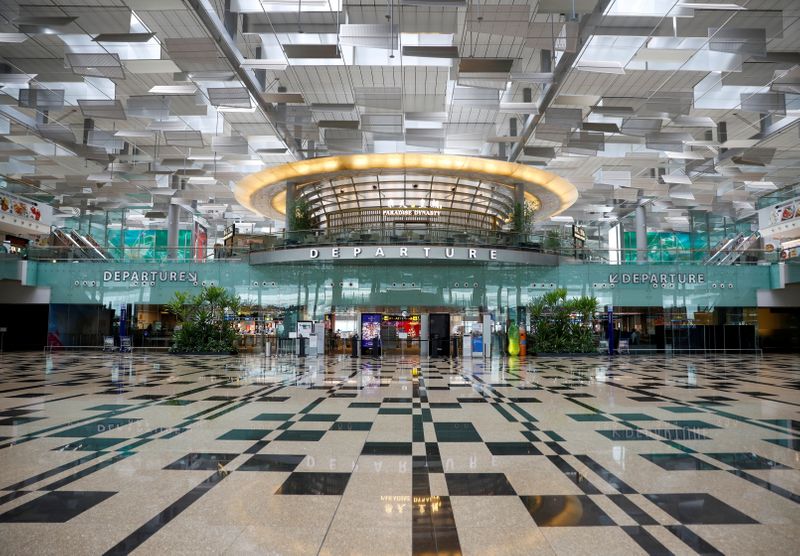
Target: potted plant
x=202, y=323
x=522, y=220
x=301, y=219
x=561, y=325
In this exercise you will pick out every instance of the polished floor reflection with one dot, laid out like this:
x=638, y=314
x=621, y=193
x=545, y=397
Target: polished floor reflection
x=114, y=453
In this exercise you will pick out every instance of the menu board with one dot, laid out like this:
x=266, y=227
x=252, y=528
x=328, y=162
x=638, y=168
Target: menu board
x=776, y=214
x=370, y=329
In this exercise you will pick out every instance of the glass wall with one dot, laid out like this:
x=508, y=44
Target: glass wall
x=663, y=294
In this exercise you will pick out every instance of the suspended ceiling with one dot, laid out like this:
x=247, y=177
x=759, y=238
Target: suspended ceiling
x=107, y=104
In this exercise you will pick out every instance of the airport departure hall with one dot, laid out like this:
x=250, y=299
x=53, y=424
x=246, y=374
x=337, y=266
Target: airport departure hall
x=400, y=277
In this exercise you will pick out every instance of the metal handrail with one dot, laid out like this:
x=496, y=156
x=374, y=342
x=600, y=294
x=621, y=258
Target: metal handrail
x=540, y=242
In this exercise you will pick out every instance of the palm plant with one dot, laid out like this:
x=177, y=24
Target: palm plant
x=562, y=325
x=300, y=217
x=522, y=217
x=202, y=320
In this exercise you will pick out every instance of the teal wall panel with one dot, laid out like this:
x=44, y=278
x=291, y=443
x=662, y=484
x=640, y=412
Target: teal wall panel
x=320, y=285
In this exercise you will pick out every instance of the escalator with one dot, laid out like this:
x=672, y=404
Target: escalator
x=70, y=247
x=728, y=251
x=740, y=248
x=76, y=246
x=89, y=245
x=722, y=249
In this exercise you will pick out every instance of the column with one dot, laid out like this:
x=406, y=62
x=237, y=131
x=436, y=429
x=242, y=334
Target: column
x=194, y=255
x=122, y=235
x=424, y=335
x=82, y=217
x=641, y=234
x=105, y=232
x=173, y=220
x=290, y=198
x=173, y=228
x=520, y=226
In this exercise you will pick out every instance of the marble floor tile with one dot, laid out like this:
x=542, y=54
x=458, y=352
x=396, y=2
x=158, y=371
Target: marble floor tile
x=151, y=454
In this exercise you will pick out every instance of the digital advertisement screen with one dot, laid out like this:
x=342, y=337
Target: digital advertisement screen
x=404, y=324
x=370, y=329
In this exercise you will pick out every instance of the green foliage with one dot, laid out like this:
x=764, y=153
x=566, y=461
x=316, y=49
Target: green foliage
x=562, y=325
x=201, y=320
x=300, y=218
x=552, y=241
x=522, y=217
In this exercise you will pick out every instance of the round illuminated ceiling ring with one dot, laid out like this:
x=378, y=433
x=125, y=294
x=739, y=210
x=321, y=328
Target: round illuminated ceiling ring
x=264, y=192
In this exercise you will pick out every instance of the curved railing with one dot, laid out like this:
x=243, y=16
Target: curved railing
x=539, y=242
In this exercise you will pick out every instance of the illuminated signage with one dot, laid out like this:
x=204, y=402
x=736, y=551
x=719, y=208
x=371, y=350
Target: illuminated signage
x=152, y=276
x=400, y=318
x=412, y=212
x=657, y=279
x=403, y=252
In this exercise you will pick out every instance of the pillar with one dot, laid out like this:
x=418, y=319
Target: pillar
x=641, y=233
x=290, y=198
x=722, y=134
x=82, y=217
x=424, y=335
x=764, y=123
x=122, y=235
x=173, y=221
x=105, y=232
x=230, y=20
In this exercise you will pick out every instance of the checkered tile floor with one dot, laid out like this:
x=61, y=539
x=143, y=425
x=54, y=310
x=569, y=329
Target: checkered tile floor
x=113, y=453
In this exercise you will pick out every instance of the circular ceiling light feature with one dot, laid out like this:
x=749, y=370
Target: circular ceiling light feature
x=459, y=182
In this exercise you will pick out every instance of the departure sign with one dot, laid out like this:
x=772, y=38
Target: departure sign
x=657, y=279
